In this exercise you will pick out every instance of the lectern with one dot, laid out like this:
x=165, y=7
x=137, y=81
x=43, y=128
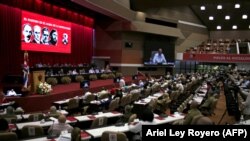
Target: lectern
x=36, y=75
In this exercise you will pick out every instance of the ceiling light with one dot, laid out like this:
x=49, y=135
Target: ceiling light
x=227, y=17
x=203, y=8
x=219, y=6
x=237, y=5
x=244, y=16
x=218, y=27
x=211, y=18
x=234, y=27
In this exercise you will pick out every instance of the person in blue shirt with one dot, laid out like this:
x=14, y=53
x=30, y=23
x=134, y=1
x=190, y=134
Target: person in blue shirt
x=159, y=57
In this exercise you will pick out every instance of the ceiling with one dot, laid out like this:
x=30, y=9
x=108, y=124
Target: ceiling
x=228, y=9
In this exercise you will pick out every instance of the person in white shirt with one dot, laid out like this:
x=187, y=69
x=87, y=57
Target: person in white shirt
x=97, y=70
x=141, y=83
x=246, y=104
x=136, y=126
x=91, y=70
x=74, y=72
x=86, y=94
x=11, y=93
x=122, y=82
x=57, y=128
x=180, y=86
x=159, y=57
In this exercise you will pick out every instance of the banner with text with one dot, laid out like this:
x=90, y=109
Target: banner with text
x=46, y=34
x=230, y=58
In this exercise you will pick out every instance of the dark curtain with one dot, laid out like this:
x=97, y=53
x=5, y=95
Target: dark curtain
x=10, y=50
x=10, y=35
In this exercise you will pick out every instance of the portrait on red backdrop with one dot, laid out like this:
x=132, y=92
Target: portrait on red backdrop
x=46, y=34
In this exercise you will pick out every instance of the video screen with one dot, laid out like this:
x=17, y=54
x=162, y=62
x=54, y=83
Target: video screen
x=46, y=34
x=159, y=50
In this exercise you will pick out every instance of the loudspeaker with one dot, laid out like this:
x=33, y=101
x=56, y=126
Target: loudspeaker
x=85, y=84
x=128, y=44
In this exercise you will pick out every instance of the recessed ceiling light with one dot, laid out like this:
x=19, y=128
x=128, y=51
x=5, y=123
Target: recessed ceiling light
x=237, y=5
x=244, y=16
x=203, y=8
x=234, y=26
x=227, y=17
x=218, y=27
x=219, y=6
x=211, y=18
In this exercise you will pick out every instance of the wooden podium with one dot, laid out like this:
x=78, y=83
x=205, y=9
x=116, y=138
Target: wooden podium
x=35, y=79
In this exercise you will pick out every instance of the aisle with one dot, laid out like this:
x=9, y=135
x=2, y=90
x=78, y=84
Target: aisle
x=221, y=116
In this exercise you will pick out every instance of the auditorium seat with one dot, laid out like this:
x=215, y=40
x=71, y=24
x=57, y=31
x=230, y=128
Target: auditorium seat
x=29, y=131
x=114, y=104
x=8, y=136
x=99, y=122
x=36, y=117
x=113, y=136
x=201, y=120
x=72, y=106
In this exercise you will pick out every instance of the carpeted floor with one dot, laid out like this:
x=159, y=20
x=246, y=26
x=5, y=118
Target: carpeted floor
x=221, y=116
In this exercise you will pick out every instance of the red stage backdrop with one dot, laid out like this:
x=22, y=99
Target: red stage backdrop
x=10, y=46
x=227, y=58
x=42, y=33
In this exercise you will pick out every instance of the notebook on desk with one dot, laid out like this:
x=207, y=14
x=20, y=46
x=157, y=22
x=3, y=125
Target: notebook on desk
x=64, y=138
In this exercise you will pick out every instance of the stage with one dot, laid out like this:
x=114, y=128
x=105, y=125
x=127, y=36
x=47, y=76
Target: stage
x=42, y=103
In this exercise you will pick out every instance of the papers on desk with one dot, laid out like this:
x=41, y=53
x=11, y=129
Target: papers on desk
x=159, y=118
x=53, y=119
x=92, y=117
x=72, y=119
x=84, y=134
x=158, y=94
x=201, y=94
x=62, y=102
x=12, y=127
x=65, y=137
x=95, y=102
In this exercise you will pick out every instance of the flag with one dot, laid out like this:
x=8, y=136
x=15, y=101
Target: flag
x=26, y=70
x=140, y=73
